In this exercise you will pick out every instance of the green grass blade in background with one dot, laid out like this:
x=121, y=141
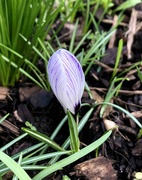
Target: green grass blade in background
x=118, y=57
x=127, y=4
x=73, y=37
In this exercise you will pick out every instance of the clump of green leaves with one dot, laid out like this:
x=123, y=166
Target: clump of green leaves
x=18, y=19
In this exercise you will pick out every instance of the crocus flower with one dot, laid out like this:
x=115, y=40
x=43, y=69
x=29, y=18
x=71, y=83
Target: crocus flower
x=66, y=79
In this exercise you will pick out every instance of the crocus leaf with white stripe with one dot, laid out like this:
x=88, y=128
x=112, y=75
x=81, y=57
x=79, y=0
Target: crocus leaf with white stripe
x=66, y=78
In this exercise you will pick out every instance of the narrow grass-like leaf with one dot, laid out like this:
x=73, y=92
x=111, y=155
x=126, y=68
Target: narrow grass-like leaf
x=127, y=4
x=109, y=95
x=45, y=48
x=42, y=80
x=26, y=167
x=16, y=168
x=86, y=16
x=3, y=118
x=11, y=50
x=139, y=74
x=13, y=142
x=95, y=23
x=139, y=134
x=19, y=162
x=43, y=138
x=118, y=57
x=81, y=42
x=121, y=109
x=74, y=139
x=73, y=37
x=43, y=157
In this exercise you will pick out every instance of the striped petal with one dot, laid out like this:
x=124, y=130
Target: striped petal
x=67, y=79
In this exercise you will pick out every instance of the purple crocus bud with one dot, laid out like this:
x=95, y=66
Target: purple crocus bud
x=67, y=79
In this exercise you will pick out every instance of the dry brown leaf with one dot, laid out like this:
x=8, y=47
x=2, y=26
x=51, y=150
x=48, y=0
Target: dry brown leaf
x=14, y=129
x=3, y=92
x=98, y=168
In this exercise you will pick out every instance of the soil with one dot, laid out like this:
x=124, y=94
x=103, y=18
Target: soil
x=122, y=152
